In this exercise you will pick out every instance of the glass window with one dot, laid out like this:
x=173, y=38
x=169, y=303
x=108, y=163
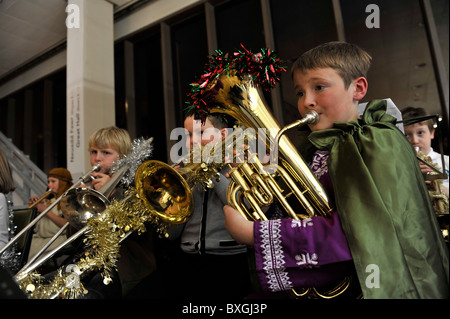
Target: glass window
x=299, y=26
x=119, y=85
x=149, y=97
x=58, y=106
x=239, y=22
x=34, y=133
x=36, y=115
x=440, y=12
x=16, y=108
x=401, y=68
x=189, y=56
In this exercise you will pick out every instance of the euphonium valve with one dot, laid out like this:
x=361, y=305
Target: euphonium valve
x=259, y=185
x=241, y=99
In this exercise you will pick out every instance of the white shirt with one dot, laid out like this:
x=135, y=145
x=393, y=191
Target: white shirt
x=436, y=159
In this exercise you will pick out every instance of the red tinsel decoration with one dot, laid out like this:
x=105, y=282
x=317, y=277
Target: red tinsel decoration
x=263, y=67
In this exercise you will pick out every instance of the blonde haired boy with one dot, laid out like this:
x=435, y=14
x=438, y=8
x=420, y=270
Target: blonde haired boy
x=106, y=146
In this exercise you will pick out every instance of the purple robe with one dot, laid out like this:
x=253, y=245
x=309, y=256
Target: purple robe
x=302, y=253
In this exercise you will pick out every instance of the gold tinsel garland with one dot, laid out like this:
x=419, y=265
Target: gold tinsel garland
x=102, y=242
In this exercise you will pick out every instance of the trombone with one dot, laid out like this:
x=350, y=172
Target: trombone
x=84, y=179
x=78, y=205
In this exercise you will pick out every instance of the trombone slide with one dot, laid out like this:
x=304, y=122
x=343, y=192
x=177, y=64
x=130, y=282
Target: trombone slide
x=49, y=208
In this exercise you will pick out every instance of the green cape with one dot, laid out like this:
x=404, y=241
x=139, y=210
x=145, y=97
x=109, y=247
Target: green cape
x=384, y=207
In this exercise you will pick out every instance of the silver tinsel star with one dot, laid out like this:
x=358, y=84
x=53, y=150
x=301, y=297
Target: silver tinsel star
x=141, y=150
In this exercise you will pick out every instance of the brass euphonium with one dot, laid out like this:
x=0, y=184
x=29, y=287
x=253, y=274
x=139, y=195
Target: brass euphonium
x=292, y=177
x=240, y=99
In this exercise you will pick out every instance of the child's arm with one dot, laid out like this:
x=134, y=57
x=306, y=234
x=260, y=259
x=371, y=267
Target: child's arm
x=238, y=227
x=100, y=180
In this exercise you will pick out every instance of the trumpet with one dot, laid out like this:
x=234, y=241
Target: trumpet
x=44, y=196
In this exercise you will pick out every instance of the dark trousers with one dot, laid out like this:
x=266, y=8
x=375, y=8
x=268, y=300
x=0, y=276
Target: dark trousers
x=197, y=277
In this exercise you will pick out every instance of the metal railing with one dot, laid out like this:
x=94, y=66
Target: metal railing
x=28, y=178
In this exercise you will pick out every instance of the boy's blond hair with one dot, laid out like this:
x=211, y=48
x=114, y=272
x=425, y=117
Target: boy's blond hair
x=111, y=137
x=349, y=60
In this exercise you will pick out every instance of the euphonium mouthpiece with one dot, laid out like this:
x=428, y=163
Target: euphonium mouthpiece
x=312, y=117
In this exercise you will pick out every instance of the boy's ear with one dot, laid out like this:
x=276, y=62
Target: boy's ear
x=224, y=132
x=432, y=133
x=361, y=86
